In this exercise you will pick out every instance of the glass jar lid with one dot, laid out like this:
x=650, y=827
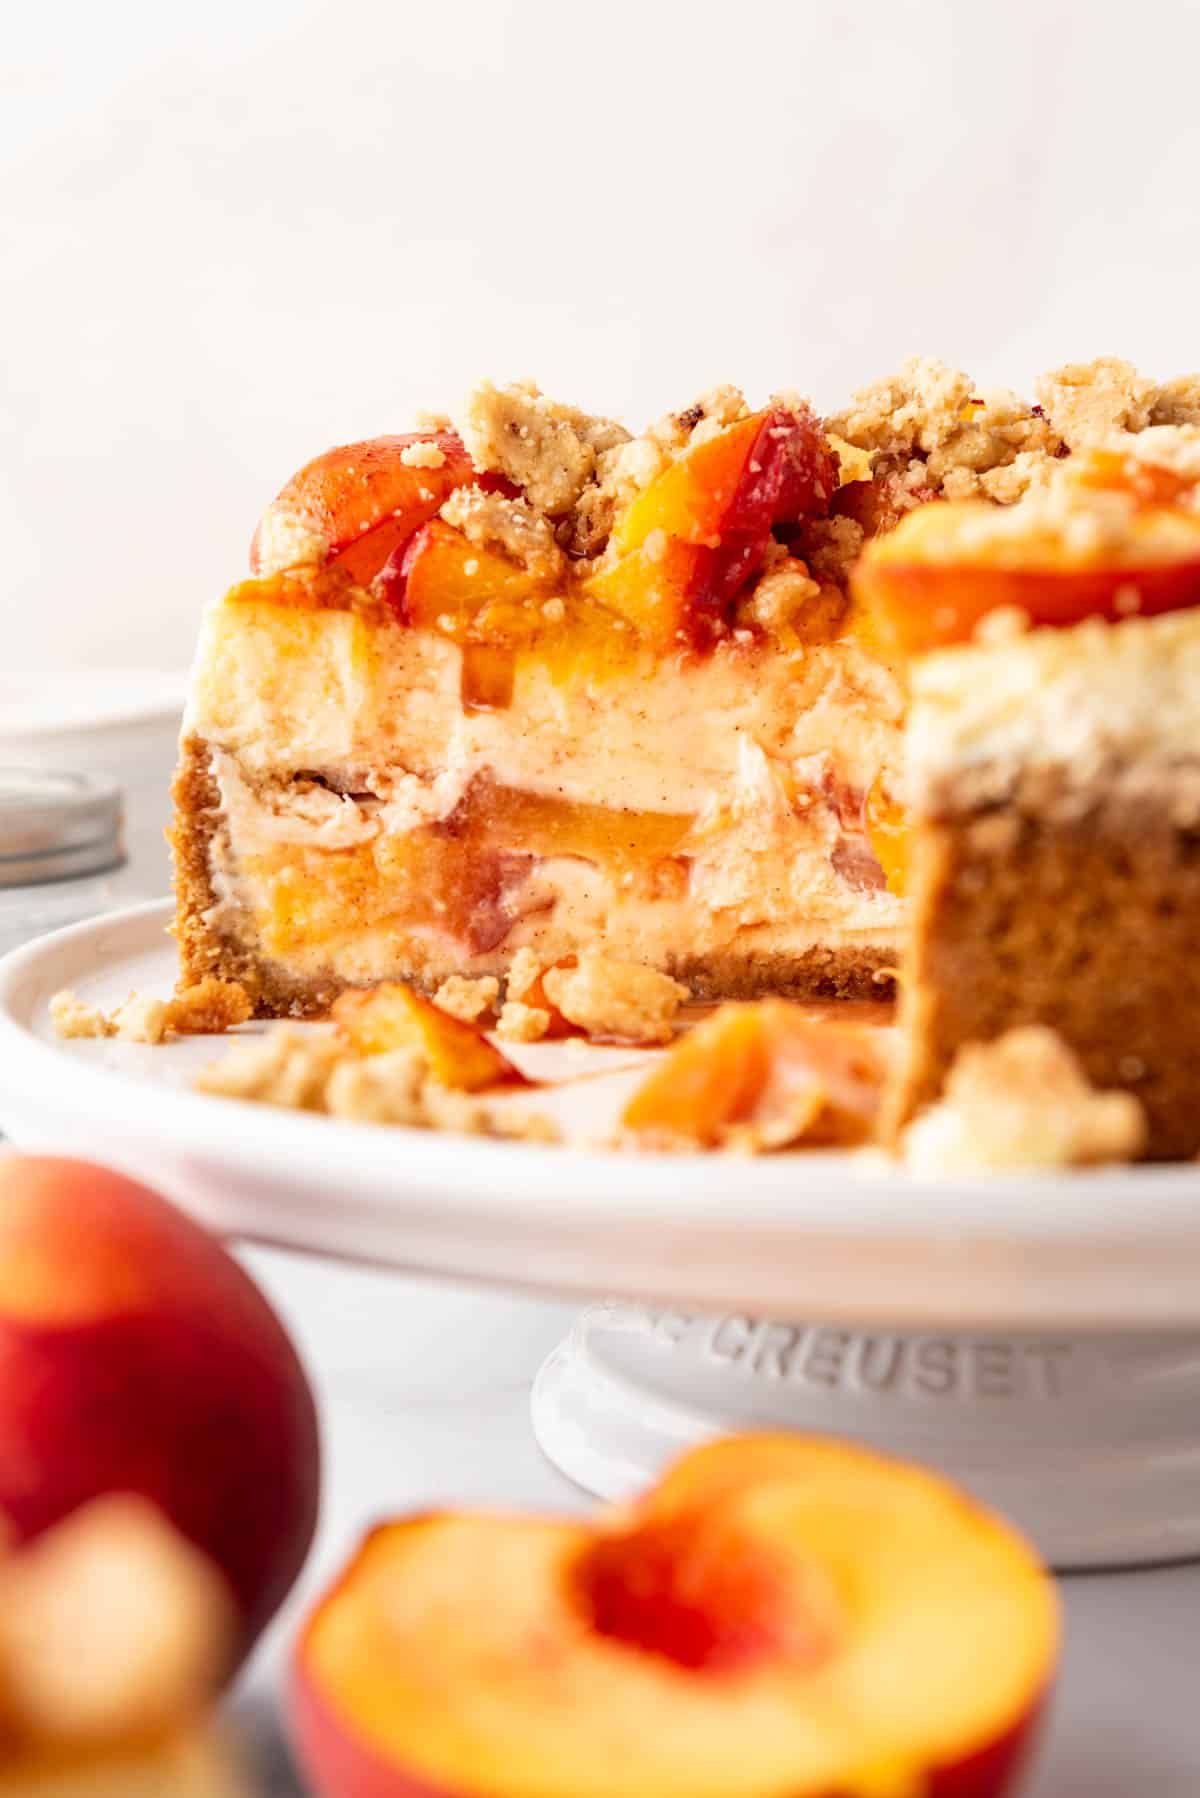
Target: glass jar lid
x=57, y=826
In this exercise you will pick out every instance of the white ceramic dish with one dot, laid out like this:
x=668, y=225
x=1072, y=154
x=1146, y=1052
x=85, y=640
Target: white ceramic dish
x=826, y=1237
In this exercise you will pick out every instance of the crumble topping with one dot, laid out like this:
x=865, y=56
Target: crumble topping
x=1022, y=1101
x=929, y=426
x=521, y=1023
x=510, y=525
x=788, y=603
x=616, y=998
x=544, y=447
x=316, y=1071
x=423, y=455
x=523, y=973
x=627, y=468
x=467, y=999
x=286, y=540
x=1177, y=402
x=208, y=1007
x=1089, y=400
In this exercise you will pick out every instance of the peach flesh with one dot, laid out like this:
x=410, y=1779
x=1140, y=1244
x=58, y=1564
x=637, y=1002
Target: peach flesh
x=136, y=1356
x=449, y=1661
x=919, y=606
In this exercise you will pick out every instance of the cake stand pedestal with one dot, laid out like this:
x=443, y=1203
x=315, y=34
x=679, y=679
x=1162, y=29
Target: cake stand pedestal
x=1090, y=1444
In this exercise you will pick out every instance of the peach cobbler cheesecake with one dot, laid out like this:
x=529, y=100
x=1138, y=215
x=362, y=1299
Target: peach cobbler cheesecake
x=556, y=725
x=528, y=683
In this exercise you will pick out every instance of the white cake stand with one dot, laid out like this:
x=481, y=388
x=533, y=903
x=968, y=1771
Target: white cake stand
x=1037, y=1338
x=1090, y=1443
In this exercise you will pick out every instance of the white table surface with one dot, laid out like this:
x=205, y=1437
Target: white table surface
x=424, y=1393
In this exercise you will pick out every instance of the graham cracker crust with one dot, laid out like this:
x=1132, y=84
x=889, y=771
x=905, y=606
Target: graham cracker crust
x=205, y=949
x=1086, y=923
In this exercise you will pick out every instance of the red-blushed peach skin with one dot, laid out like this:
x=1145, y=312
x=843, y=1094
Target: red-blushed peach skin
x=366, y=501
x=136, y=1356
x=892, y=1637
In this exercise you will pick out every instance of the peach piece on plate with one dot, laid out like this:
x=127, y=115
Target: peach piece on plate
x=364, y=500
x=806, y=1620
x=136, y=1356
x=392, y=1016
x=762, y=1074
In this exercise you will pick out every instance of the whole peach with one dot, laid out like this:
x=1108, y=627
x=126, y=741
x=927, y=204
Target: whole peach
x=137, y=1356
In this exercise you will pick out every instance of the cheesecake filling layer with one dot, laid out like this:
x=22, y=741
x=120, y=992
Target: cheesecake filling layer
x=681, y=811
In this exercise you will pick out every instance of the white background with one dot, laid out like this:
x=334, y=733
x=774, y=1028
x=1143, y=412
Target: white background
x=235, y=233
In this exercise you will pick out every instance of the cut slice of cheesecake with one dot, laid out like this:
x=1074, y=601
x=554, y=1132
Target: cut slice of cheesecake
x=536, y=684
x=1053, y=775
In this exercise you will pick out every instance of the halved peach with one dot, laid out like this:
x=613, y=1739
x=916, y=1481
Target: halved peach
x=765, y=1070
x=365, y=499
x=945, y=567
x=830, y=1622
x=392, y=1016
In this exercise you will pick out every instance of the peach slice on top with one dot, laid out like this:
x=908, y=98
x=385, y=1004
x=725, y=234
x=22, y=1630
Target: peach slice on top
x=363, y=501
x=446, y=583
x=763, y=1071
x=1109, y=543
x=392, y=1016
x=784, y=1618
x=685, y=546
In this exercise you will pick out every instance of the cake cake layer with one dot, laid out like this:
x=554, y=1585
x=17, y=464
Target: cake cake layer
x=1054, y=875
x=353, y=819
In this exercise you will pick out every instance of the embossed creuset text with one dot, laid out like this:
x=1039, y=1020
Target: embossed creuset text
x=876, y=1363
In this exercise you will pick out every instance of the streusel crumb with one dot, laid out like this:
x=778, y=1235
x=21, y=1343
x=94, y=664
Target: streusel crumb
x=929, y=424
x=207, y=1007
x=523, y=972
x=1177, y=402
x=72, y=1017
x=1088, y=400
x=286, y=1067
x=618, y=999
x=467, y=999
x=1022, y=1101
x=627, y=468
x=520, y=1023
x=509, y=525
x=547, y=449
x=315, y=1071
x=423, y=455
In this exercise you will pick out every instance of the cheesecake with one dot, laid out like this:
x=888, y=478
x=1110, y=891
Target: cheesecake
x=1052, y=774
x=524, y=682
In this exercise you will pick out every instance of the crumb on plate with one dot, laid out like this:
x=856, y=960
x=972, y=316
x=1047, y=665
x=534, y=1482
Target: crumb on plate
x=1022, y=1101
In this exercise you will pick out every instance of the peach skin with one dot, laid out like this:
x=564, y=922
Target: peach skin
x=797, y=1619
x=363, y=501
x=137, y=1357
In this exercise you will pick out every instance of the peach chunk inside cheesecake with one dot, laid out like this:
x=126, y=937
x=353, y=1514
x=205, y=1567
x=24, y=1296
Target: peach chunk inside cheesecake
x=535, y=683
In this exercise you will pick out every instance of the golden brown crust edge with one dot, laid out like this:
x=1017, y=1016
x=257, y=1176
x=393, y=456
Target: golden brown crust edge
x=820, y=973
x=1087, y=925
